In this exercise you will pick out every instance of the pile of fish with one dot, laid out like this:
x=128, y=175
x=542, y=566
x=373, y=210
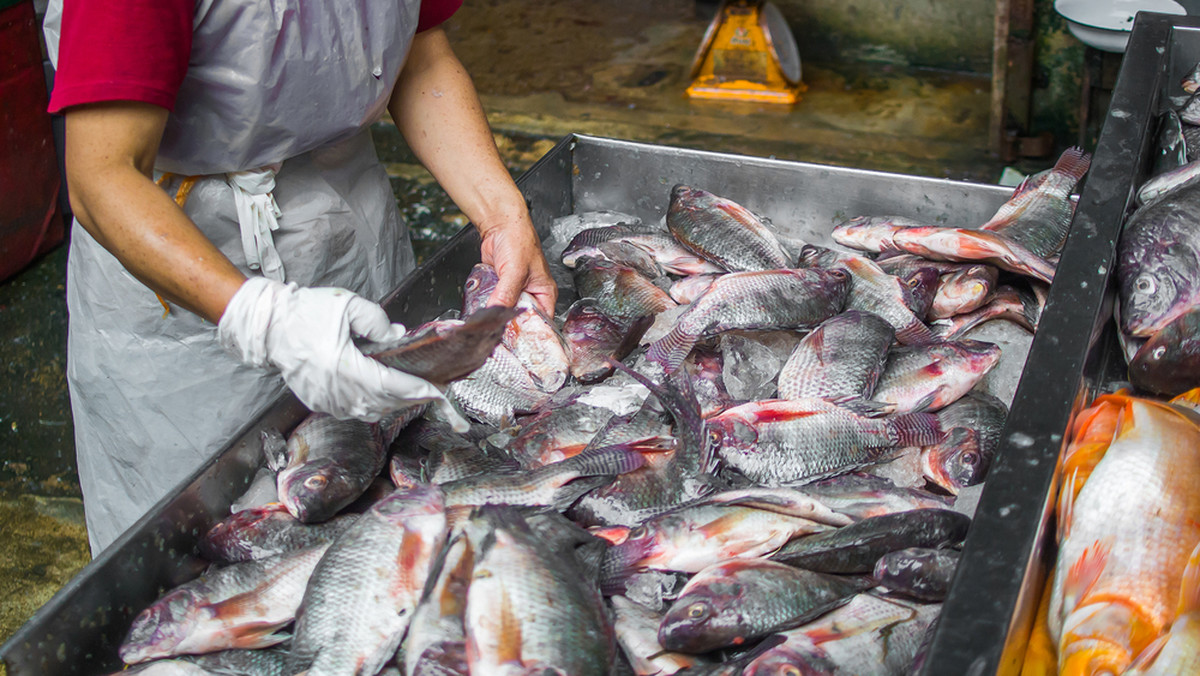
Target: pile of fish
x=1158, y=257
x=732, y=453
x=1124, y=596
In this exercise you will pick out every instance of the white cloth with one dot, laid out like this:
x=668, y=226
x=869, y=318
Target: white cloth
x=258, y=216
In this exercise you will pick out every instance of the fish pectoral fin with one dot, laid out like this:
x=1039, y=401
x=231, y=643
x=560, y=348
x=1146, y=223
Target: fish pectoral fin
x=1085, y=571
x=1189, y=588
x=1146, y=658
x=257, y=635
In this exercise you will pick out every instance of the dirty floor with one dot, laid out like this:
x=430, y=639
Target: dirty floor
x=544, y=69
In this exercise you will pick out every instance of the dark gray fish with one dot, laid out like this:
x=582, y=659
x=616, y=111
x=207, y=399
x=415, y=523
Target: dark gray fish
x=722, y=231
x=1158, y=262
x=330, y=464
x=774, y=299
x=1191, y=140
x=620, y=291
x=1038, y=216
x=593, y=338
x=1170, y=146
x=495, y=392
x=778, y=442
x=972, y=425
x=742, y=600
x=1167, y=181
x=872, y=290
x=1190, y=111
x=555, y=485
x=1169, y=362
x=857, y=547
x=528, y=608
x=266, y=531
x=1022, y=306
x=931, y=377
x=918, y=572
x=444, y=351
x=362, y=594
x=840, y=360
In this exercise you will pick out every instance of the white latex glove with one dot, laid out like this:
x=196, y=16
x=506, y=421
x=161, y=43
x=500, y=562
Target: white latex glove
x=258, y=216
x=306, y=334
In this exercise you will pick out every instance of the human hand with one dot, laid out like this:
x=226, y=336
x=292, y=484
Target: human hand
x=514, y=250
x=306, y=334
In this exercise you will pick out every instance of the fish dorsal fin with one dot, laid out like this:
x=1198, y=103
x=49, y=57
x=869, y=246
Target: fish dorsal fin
x=1189, y=588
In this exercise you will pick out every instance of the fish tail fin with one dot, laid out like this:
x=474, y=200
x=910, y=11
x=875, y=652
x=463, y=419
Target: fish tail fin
x=567, y=494
x=1189, y=588
x=670, y=350
x=274, y=449
x=1074, y=162
x=621, y=563
x=1083, y=574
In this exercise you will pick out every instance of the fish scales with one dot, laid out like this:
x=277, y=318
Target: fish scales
x=841, y=359
x=1158, y=262
x=723, y=231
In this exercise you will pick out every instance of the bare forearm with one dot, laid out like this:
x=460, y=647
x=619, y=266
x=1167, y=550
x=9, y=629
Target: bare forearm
x=436, y=108
x=115, y=200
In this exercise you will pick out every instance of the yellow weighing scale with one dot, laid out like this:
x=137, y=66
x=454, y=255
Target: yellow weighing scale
x=748, y=54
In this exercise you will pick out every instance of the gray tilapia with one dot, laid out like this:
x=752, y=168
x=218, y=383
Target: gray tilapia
x=557, y=433
x=266, y=531
x=331, y=462
x=972, y=425
x=241, y=605
x=736, y=601
x=869, y=636
x=362, y=594
x=918, y=572
x=558, y=484
x=1020, y=305
x=445, y=350
x=840, y=360
x=856, y=548
x=499, y=389
x=778, y=441
x=530, y=334
x=1158, y=262
x=664, y=250
x=1038, y=216
x=261, y=662
x=872, y=290
x=528, y=610
x=773, y=299
x=930, y=377
x=722, y=231
x=963, y=245
x=1169, y=362
x=963, y=290
x=620, y=291
x=436, y=633
x=860, y=496
x=593, y=338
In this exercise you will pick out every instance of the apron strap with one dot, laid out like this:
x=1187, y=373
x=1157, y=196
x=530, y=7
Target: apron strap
x=258, y=216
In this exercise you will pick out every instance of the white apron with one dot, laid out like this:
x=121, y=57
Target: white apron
x=291, y=81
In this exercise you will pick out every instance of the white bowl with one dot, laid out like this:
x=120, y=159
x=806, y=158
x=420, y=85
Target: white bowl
x=1105, y=24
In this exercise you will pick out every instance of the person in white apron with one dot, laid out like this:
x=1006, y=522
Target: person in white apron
x=269, y=142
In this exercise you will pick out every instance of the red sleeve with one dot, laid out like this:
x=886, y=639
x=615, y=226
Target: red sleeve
x=435, y=12
x=123, y=50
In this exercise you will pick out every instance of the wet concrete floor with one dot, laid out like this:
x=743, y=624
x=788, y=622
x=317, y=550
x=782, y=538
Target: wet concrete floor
x=544, y=69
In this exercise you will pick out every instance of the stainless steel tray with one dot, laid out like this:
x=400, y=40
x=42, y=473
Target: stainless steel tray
x=78, y=631
x=986, y=621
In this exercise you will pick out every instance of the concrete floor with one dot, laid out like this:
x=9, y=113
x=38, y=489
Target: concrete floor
x=543, y=69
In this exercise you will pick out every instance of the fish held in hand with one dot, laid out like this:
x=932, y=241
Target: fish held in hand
x=446, y=350
x=723, y=231
x=620, y=291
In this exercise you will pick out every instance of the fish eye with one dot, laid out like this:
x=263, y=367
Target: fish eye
x=790, y=670
x=471, y=284
x=913, y=282
x=1145, y=284
x=639, y=532
x=1159, y=352
x=697, y=610
x=315, y=482
x=971, y=458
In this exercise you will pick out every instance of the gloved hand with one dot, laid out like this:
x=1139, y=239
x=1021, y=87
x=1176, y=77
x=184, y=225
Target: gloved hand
x=306, y=334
